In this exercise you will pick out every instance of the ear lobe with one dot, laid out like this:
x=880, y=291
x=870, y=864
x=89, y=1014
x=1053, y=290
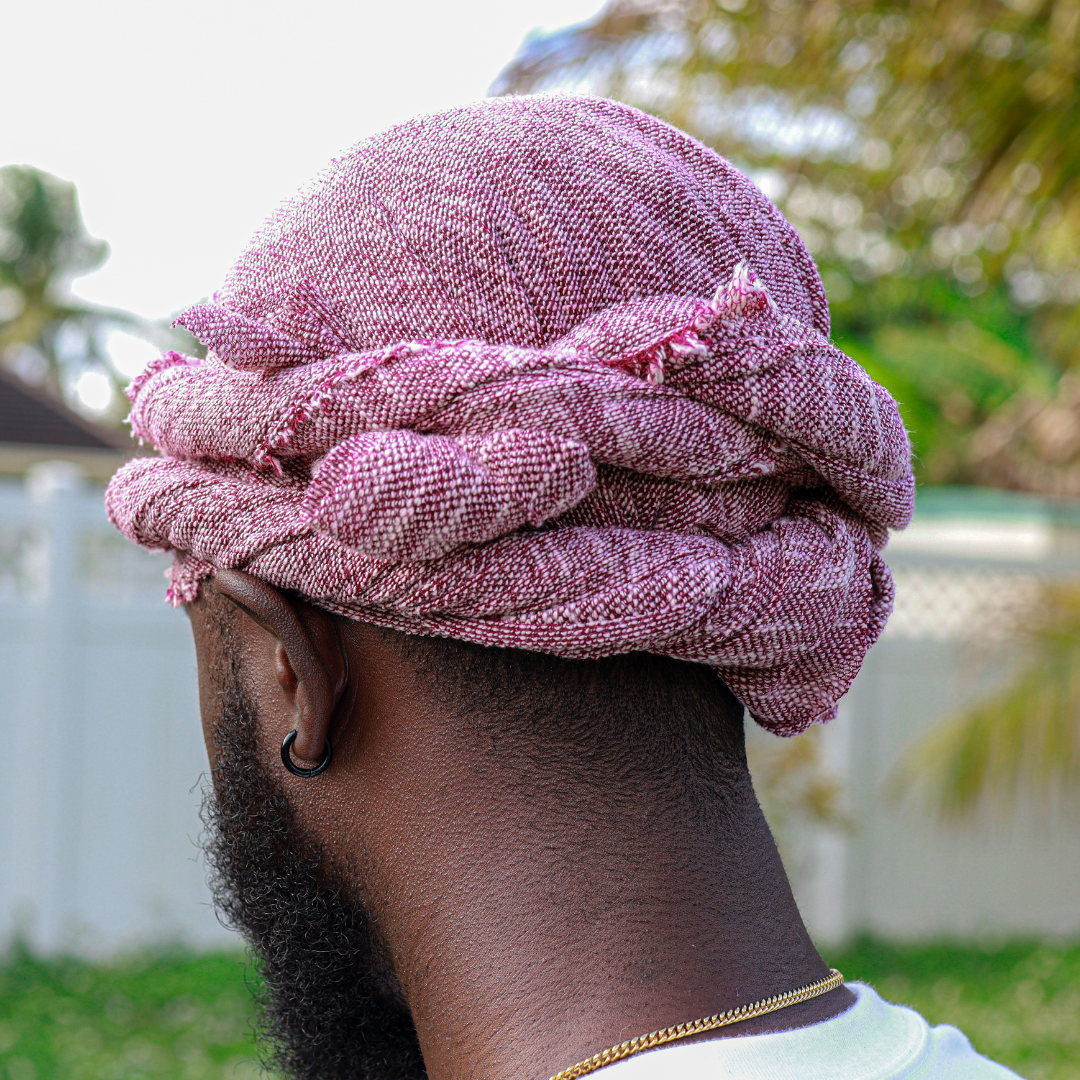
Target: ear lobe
x=301, y=669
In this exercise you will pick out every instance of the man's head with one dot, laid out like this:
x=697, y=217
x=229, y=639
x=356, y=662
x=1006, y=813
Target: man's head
x=306, y=869
x=541, y=373
x=519, y=454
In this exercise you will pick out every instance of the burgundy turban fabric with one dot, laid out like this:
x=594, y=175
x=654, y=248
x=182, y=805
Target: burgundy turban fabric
x=542, y=373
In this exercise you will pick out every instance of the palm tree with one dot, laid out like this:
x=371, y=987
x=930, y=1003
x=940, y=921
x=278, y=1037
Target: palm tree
x=46, y=336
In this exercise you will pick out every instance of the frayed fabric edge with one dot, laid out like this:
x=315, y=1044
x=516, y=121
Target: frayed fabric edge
x=741, y=295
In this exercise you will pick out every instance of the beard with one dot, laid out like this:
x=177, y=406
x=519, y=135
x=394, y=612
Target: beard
x=331, y=1008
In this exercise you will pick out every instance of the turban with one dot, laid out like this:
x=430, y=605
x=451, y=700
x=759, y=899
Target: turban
x=541, y=373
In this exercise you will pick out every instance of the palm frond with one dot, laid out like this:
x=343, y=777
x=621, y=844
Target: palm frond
x=47, y=336
x=1024, y=740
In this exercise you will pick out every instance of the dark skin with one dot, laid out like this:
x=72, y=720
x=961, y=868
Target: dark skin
x=529, y=926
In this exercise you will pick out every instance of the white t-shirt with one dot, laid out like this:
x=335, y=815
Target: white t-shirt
x=872, y=1040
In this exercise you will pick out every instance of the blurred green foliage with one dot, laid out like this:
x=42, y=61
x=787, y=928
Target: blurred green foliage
x=47, y=336
x=950, y=361
x=929, y=155
x=188, y=1017
x=179, y=1017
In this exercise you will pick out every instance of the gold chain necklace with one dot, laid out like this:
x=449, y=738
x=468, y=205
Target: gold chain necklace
x=696, y=1027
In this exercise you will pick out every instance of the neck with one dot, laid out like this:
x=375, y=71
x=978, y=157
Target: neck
x=533, y=919
x=538, y=928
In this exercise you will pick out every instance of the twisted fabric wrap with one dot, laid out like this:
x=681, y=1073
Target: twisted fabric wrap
x=542, y=373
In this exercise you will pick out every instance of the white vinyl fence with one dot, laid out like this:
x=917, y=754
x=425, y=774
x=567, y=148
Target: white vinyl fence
x=103, y=759
x=102, y=754
x=969, y=574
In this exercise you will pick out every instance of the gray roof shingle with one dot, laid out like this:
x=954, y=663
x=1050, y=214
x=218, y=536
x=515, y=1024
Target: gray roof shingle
x=31, y=417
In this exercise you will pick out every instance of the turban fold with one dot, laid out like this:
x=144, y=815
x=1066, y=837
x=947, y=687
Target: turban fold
x=542, y=373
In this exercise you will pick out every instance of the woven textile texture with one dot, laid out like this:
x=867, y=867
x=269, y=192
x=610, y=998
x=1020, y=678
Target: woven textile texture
x=542, y=373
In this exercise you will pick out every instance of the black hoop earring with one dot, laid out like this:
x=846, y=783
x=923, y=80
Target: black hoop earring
x=307, y=774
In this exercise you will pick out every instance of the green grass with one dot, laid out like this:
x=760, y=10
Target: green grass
x=164, y=1017
x=1018, y=1003
x=185, y=1017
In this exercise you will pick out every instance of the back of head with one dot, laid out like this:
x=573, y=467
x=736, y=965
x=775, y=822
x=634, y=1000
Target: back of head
x=511, y=221
x=545, y=374
x=536, y=398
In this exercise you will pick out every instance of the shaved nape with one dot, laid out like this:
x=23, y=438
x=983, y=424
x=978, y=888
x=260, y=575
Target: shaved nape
x=649, y=720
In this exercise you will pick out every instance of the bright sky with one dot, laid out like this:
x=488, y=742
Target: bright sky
x=184, y=124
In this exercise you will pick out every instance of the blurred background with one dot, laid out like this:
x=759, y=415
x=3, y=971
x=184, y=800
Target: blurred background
x=928, y=153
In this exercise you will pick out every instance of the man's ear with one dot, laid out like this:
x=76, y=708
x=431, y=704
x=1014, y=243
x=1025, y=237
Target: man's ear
x=311, y=663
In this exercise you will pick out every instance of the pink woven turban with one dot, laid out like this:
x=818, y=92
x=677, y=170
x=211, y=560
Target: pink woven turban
x=542, y=373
